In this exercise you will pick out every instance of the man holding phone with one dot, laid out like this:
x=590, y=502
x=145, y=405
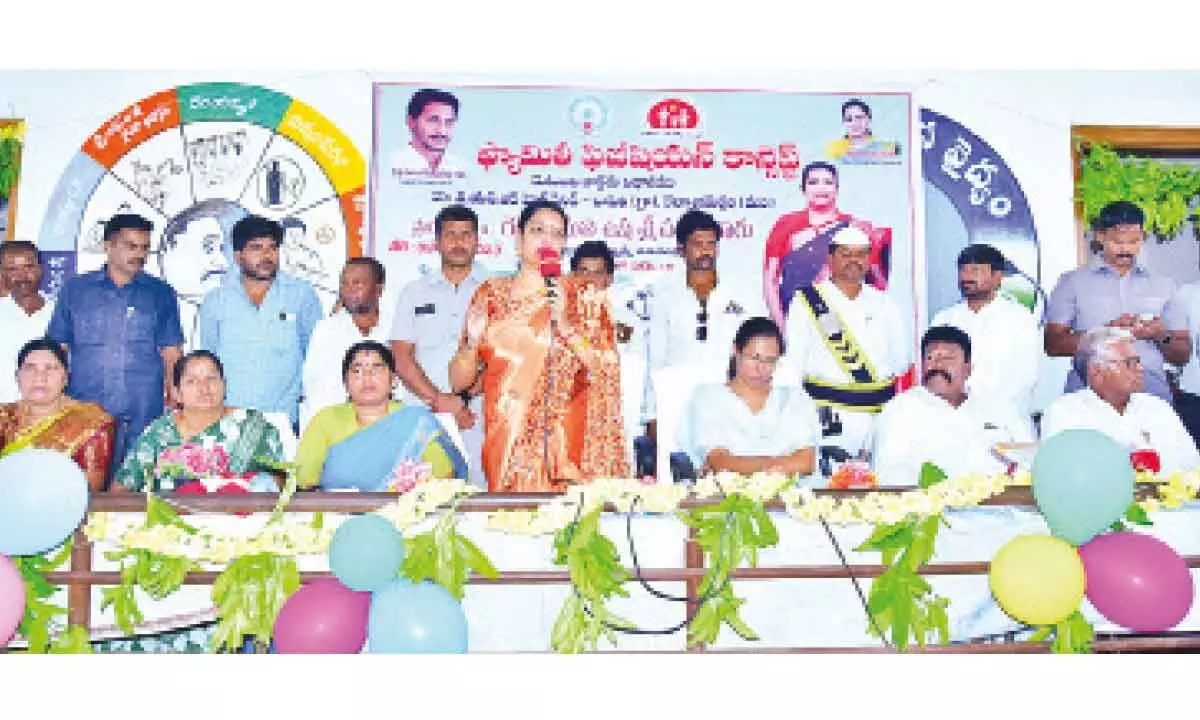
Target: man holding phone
x=1116, y=289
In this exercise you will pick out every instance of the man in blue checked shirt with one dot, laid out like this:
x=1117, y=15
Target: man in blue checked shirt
x=121, y=327
x=259, y=321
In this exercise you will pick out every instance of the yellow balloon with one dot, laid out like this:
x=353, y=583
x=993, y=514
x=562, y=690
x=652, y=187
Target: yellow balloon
x=1037, y=579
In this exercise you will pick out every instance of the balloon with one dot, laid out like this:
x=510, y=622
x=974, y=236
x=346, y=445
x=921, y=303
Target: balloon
x=1137, y=581
x=422, y=618
x=366, y=552
x=12, y=599
x=324, y=616
x=1037, y=579
x=43, y=496
x=1082, y=483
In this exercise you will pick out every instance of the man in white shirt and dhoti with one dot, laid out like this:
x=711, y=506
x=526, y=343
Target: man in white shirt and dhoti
x=941, y=423
x=847, y=344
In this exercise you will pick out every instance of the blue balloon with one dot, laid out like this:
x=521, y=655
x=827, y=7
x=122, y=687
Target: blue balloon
x=43, y=496
x=422, y=618
x=366, y=553
x=1082, y=482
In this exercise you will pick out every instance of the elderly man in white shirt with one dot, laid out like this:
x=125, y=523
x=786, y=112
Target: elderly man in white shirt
x=1115, y=404
x=24, y=313
x=693, y=317
x=847, y=345
x=358, y=319
x=941, y=422
x=1005, y=339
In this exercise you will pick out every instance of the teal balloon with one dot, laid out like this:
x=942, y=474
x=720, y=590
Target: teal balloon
x=420, y=618
x=1082, y=482
x=43, y=497
x=366, y=552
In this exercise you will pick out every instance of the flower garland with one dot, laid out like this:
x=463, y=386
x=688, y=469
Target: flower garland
x=299, y=537
x=288, y=537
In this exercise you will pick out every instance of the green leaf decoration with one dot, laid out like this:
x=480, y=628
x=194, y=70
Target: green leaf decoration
x=597, y=575
x=248, y=596
x=74, y=640
x=901, y=603
x=1071, y=636
x=730, y=534
x=930, y=475
x=1137, y=515
x=445, y=557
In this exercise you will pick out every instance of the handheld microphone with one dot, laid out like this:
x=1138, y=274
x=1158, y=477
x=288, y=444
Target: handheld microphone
x=549, y=264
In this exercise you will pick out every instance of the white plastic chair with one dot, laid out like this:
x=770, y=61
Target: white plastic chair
x=673, y=387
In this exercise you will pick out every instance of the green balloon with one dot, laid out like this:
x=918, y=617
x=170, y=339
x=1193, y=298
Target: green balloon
x=1082, y=482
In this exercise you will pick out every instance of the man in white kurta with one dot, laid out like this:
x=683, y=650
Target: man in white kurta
x=24, y=313
x=940, y=422
x=851, y=387
x=1006, y=343
x=1114, y=403
x=358, y=319
x=693, y=316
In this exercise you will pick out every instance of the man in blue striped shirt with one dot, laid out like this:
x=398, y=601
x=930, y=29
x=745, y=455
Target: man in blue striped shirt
x=259, y=321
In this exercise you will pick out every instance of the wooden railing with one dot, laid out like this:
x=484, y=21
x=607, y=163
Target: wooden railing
x=80, y=577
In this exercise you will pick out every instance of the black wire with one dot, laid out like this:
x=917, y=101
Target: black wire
x=638, y=573
x=862, y=598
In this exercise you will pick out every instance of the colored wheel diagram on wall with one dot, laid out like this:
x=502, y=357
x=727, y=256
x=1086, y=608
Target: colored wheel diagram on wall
x=194, y=160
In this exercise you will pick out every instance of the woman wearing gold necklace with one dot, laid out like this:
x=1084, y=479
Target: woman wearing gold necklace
x=46, y=418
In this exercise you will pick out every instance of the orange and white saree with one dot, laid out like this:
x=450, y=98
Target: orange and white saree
x=552, y=400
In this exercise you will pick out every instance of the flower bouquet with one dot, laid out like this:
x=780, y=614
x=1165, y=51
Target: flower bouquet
x=853, y=475
x=203, y=468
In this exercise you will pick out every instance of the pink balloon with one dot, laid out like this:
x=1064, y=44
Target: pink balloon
x=324, y=617
x=1137, y=581
x=12, y=599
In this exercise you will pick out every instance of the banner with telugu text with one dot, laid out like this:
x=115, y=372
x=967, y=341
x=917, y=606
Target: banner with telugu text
x=627, y=163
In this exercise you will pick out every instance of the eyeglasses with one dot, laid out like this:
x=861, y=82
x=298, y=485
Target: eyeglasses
x=761, y=360
x=702, y=322
x=1132, y=361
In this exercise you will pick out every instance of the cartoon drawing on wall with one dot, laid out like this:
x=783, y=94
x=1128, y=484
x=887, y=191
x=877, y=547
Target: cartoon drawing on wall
x=194, y=160
x=971, y=196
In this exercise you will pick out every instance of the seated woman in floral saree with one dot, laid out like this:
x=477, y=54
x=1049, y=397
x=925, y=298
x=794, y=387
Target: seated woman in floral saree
x=205, y=441
x=46, y=418
x=374, y=443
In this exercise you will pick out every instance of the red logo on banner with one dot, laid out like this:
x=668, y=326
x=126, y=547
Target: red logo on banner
x=673, y=114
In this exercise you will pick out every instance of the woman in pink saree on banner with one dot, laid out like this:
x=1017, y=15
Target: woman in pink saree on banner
x=797, y=249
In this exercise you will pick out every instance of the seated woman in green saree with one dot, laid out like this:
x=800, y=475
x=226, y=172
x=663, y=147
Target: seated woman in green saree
x=374, y=443
x=46, y=418
x=205, y=440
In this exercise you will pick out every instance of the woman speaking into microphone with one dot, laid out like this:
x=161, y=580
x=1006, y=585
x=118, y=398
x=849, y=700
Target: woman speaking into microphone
x=551, y=375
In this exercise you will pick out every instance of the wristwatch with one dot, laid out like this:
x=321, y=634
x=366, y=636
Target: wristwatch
x=1166, y=338
x=466, y=397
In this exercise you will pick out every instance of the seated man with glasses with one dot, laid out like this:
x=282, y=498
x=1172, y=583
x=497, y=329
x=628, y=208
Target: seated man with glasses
x=1115, y=402
x=748, y=425
x=938, y=422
